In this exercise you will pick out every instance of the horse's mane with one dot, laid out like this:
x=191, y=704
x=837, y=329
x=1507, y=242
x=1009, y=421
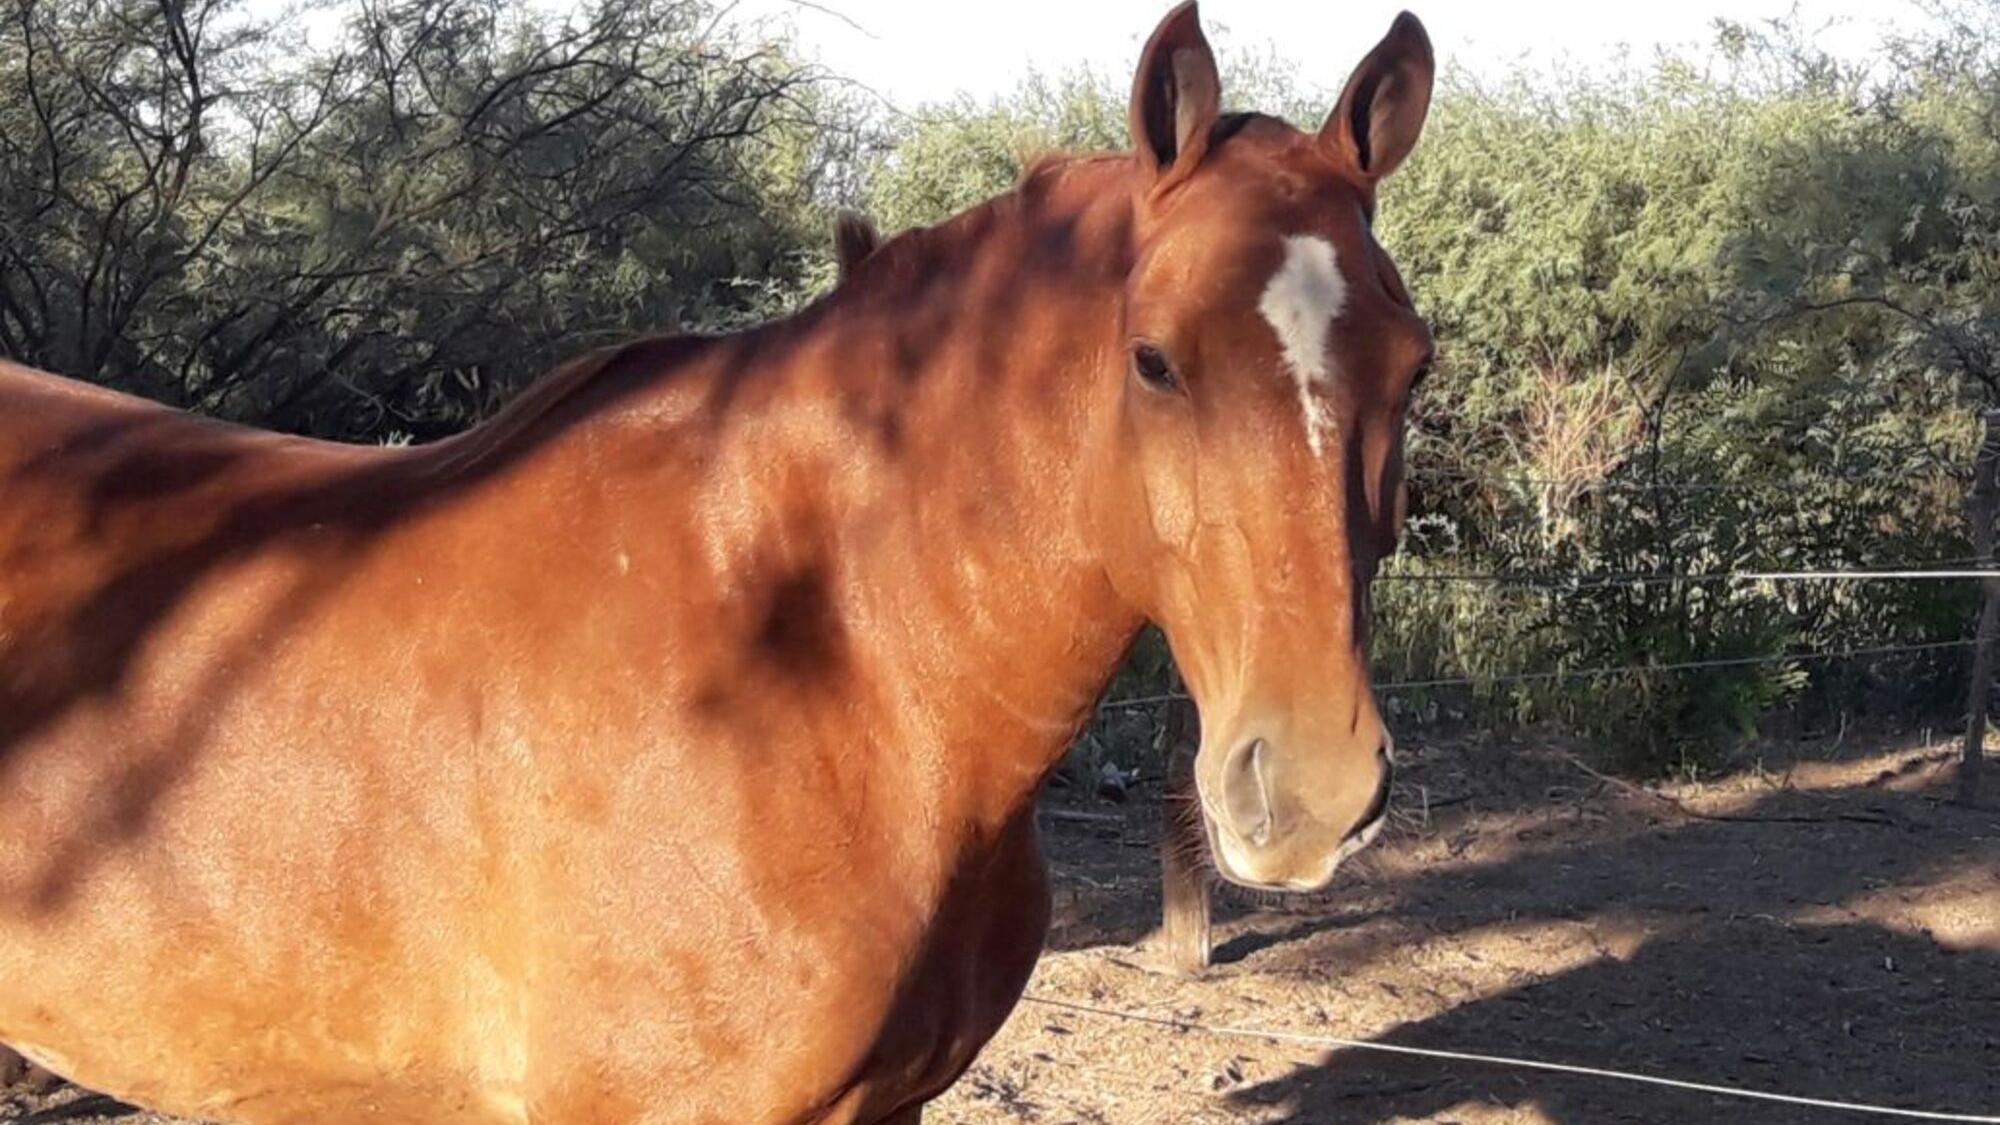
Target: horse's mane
x=890, y=255
x=544, y=396
x=866, y=261
x=858, y=243
x=854, y=239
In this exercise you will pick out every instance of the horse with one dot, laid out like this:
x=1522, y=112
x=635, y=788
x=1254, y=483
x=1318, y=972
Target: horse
x=666, y=748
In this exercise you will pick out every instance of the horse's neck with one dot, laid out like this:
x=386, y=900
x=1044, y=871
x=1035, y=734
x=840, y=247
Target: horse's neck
x=1001, y=626
x=915, y=448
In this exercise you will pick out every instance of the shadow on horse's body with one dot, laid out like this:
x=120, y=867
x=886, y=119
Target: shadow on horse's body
x=665, y=748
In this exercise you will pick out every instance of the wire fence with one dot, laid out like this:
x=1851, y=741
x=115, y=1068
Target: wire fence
x=1928, y=570
x=1342, y=1043
x=1940, y=472
x=1973, y=568
x=1601, y=671
x=1339, y=1043
x=1953, y=569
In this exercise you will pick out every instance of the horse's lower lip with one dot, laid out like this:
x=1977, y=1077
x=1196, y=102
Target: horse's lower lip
x=1342, y=854
x=1288, y=886
x=1220, y=858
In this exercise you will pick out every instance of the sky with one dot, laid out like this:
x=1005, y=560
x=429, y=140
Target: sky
x=913, y=51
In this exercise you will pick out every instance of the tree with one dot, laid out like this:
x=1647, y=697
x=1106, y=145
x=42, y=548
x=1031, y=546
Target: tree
x=387, y=235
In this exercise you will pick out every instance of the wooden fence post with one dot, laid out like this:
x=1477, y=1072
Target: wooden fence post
x=1184, y=918
x=1980, y=508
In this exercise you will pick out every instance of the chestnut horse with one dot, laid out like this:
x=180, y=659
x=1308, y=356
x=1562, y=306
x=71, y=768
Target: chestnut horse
x=666, y=748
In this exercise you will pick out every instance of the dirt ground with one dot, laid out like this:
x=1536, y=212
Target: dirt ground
x=1818, y=923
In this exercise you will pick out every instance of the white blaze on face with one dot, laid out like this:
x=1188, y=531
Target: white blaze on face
x=1301, y=302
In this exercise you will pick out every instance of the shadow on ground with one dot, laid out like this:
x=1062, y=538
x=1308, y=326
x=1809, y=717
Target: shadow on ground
x=1862, y=1013
x=1839, y=942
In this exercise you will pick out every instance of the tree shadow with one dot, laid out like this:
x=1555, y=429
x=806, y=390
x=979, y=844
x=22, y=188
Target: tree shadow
x=1850, y=1012
x=1788, y=850
x=1754, y=966
x=113, y=525
x=1566, y=857
x=1745, y=948
x=1453, y=787
x=70, y=1106
x=115, y=517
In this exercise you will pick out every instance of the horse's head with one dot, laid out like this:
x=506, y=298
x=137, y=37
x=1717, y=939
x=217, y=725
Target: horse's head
x=1253, y=478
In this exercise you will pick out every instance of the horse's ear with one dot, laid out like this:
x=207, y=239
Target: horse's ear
x=854, y=238
x=1176, y=97
x=1382, y=112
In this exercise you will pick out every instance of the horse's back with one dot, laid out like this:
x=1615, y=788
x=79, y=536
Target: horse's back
x=201, y=842
x=93, y=482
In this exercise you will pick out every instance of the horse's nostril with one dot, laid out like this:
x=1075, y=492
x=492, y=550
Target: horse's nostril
x=1380, y=804
x=1246, y=791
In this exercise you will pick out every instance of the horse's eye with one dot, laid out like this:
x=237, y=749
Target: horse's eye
x=1153, y=367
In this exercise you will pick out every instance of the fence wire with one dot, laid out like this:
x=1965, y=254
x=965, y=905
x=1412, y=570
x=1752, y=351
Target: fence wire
x=1818, y=480
x=1600, y=671
x=1924, y=570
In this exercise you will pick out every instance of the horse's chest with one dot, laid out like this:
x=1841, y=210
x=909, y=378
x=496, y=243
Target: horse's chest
x=964, y=979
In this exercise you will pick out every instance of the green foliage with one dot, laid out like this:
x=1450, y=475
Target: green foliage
x=1786, y=283
x=389, y=234
x=1724, y=314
